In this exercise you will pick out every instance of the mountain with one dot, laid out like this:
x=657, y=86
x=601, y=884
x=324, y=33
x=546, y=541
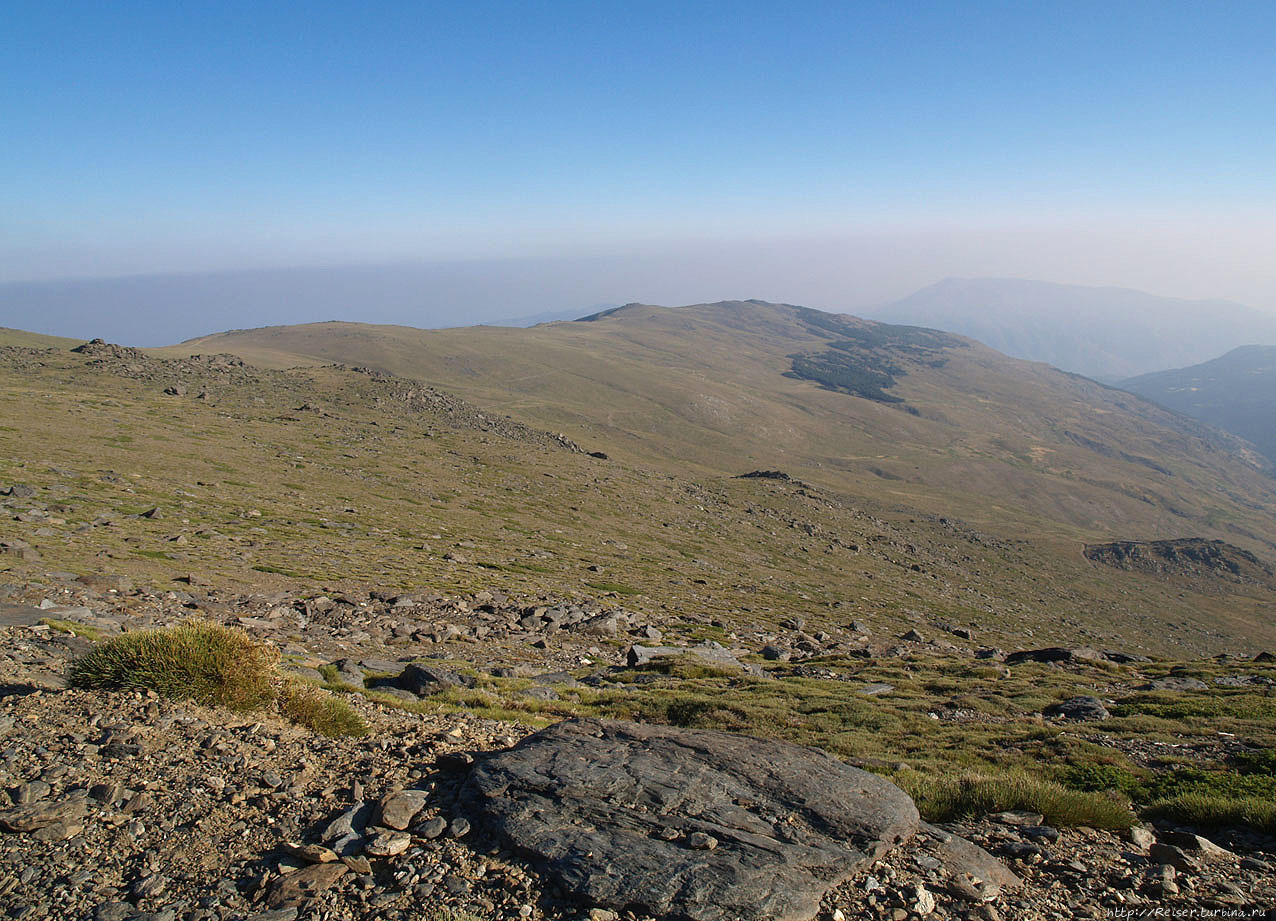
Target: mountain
x=1000, y=585
x=1105, y=333
x=930, y=420
x=1236, y=392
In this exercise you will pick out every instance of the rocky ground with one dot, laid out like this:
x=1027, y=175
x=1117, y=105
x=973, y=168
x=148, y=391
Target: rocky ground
x=127, y=806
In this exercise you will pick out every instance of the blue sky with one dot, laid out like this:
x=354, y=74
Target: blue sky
x=165, y=137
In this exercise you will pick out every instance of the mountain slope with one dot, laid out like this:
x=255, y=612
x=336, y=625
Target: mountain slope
x=1236, y=392
x=957, y=429
x=1104, y=333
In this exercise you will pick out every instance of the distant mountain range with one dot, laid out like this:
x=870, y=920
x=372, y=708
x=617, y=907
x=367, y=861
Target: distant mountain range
x=1236, y=392
x=1109, y=334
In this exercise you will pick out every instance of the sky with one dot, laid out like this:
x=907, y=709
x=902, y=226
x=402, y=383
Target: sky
x=848, y=152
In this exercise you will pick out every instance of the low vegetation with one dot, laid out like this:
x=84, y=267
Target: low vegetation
x=946, y=799
x=213, y=665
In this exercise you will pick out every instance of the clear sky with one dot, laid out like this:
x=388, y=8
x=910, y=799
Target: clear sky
x=1113, y=142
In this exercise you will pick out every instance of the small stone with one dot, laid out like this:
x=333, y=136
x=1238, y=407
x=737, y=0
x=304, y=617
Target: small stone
x=388, y=844
x=924, y=902
x=1142, y=837
x=702, y=841
x=357, y=863
x=432, y=827
x=459, y=828
x=397, y=810
x=305, y=884
x=310, y=853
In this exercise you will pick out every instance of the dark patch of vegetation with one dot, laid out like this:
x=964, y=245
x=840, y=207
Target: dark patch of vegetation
x=277, y=570
x=860, y=359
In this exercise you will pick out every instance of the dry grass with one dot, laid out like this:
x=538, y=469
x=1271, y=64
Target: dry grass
x=213, y=665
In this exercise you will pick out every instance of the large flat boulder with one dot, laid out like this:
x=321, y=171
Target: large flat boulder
x=686, y=824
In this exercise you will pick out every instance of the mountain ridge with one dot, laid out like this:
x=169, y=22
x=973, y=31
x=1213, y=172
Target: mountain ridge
x=1107, y=333
x=704, y=387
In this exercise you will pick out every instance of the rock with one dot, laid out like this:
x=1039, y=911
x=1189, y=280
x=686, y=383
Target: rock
x=872, y=690
x=424, y=680
x=589, y=798
x=432, y=827
x=774, y=653
x=1066, y=655
x=42, y=814
x=1141, y=837
x=388, y=844
x=970, y=872
x=913, y=636
x=459, y=827
x=1175, y=683
x=709, y=652
x=1078, y=708
x=397, y=810
x=304, y=884
x=310, y=853
x=923, y=901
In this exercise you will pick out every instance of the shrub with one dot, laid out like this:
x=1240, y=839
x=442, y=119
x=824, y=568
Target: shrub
x=948, y=798
x=215, y=666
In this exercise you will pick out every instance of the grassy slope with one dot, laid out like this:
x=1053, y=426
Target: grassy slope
x=20, y=337
x=358, y=488
x=1009, y=445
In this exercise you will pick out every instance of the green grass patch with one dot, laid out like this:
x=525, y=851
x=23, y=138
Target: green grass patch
x=71, y=627
x=1204, y=810
x=277, y=570
x=946, y=799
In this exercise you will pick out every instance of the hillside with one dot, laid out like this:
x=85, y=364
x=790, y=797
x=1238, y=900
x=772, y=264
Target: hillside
x=932, y=422
x=1236, y=392
x=431, y=580
x=1104, y=333
x=21, y=337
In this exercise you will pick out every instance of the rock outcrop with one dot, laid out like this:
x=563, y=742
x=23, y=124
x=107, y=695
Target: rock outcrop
x=685, y=823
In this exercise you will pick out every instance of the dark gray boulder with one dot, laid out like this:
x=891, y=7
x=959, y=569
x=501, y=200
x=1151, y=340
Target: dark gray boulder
x=1078, y=708
x=613, y=811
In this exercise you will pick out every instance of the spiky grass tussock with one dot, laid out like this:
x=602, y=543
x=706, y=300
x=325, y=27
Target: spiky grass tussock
x=213, y=665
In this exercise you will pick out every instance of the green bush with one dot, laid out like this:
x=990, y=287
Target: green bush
x=213, y=665
x=946, y=799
